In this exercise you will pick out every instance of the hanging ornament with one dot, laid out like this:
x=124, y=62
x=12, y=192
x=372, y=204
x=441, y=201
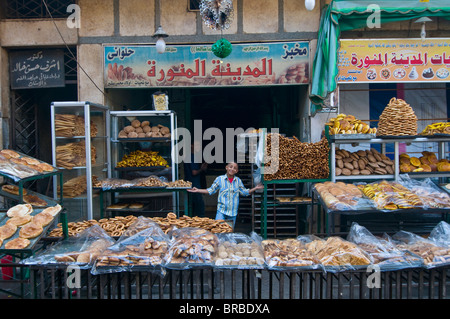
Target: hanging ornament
x=217, y=14
x=222, y=48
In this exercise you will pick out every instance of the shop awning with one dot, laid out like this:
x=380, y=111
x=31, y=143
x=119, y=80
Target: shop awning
x=344, y=15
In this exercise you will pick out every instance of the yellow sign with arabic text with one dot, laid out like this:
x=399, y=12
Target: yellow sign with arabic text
x=394, y=60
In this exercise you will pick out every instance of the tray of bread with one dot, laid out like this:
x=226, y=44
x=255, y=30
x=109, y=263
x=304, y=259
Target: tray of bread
x=19, y=166
x=24, y=225
x=37, y=200
x=127, y=206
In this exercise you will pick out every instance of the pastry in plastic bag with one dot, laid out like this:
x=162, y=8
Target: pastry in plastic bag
x=237, y=249
x=335, y=251
x=193, y=246
x=289, y=252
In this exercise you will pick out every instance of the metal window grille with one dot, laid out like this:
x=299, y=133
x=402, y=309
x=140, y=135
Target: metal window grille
x=35, y=9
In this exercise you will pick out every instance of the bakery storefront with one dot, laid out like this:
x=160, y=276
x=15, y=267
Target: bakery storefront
x=259, y=85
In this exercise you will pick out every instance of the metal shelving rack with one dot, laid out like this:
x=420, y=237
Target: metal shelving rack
x=441, y=140
x=99, y=114
x=266, y=183
x=116, y=150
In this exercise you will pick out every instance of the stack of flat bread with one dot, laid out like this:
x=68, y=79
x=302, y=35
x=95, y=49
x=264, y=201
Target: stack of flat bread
x=29, y=226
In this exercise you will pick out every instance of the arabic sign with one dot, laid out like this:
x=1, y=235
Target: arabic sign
x=196, y=65
x=37, y=69
x=395, y=60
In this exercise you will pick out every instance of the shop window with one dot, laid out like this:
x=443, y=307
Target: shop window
x=36, y=9
x=193, y=5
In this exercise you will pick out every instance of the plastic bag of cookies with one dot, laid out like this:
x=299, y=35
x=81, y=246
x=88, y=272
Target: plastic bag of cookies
x=237, y=250
x=383, y=252
x=289, y=253
x=191, y=246
x=336, y=254
x=433, y=253
x=145, y=248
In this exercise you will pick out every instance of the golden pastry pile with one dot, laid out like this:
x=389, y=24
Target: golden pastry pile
x=362, y=162
x=436, y=128
x=348, y=124
x=391, y=195
x=143, y=129
x=69, y=125
x=428, y=162
x=142, y=159
x=292, y=159
x=397, y=119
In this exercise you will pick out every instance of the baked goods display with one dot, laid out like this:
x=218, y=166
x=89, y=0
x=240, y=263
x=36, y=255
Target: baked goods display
x=362, y=162
x=397, y=119
x=18, y=243
x=428, y=162
x=117, y=226
x=432, y=253
x=7, y=231
x=13, y=189
x=21, y=166
x=294, y=199
x=150, y=181
x=382, y=251
x=339, y=195
x=34, y=200
x=82, y=250
x=69, y=125
x=192, y=245
x=77, y=186
x=237, y=249
x=390, y=195
x=348, y=124
x=289, y=252
x=292, y=159
x=142, y=159
x=31, y=230
x=72, y=155
x=143, y=129
x=19, y=210
x=148, y=247
x=179, y=184
x=335, y=251
x=436, y=128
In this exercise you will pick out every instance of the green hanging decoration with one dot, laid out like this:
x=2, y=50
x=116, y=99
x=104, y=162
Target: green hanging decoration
x=222, y=48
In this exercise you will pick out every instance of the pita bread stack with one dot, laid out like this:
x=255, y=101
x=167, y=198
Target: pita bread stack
x=397, y=119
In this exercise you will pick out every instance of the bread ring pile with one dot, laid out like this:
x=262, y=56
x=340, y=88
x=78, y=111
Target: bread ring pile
x=116, y=226
x=397, y=119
